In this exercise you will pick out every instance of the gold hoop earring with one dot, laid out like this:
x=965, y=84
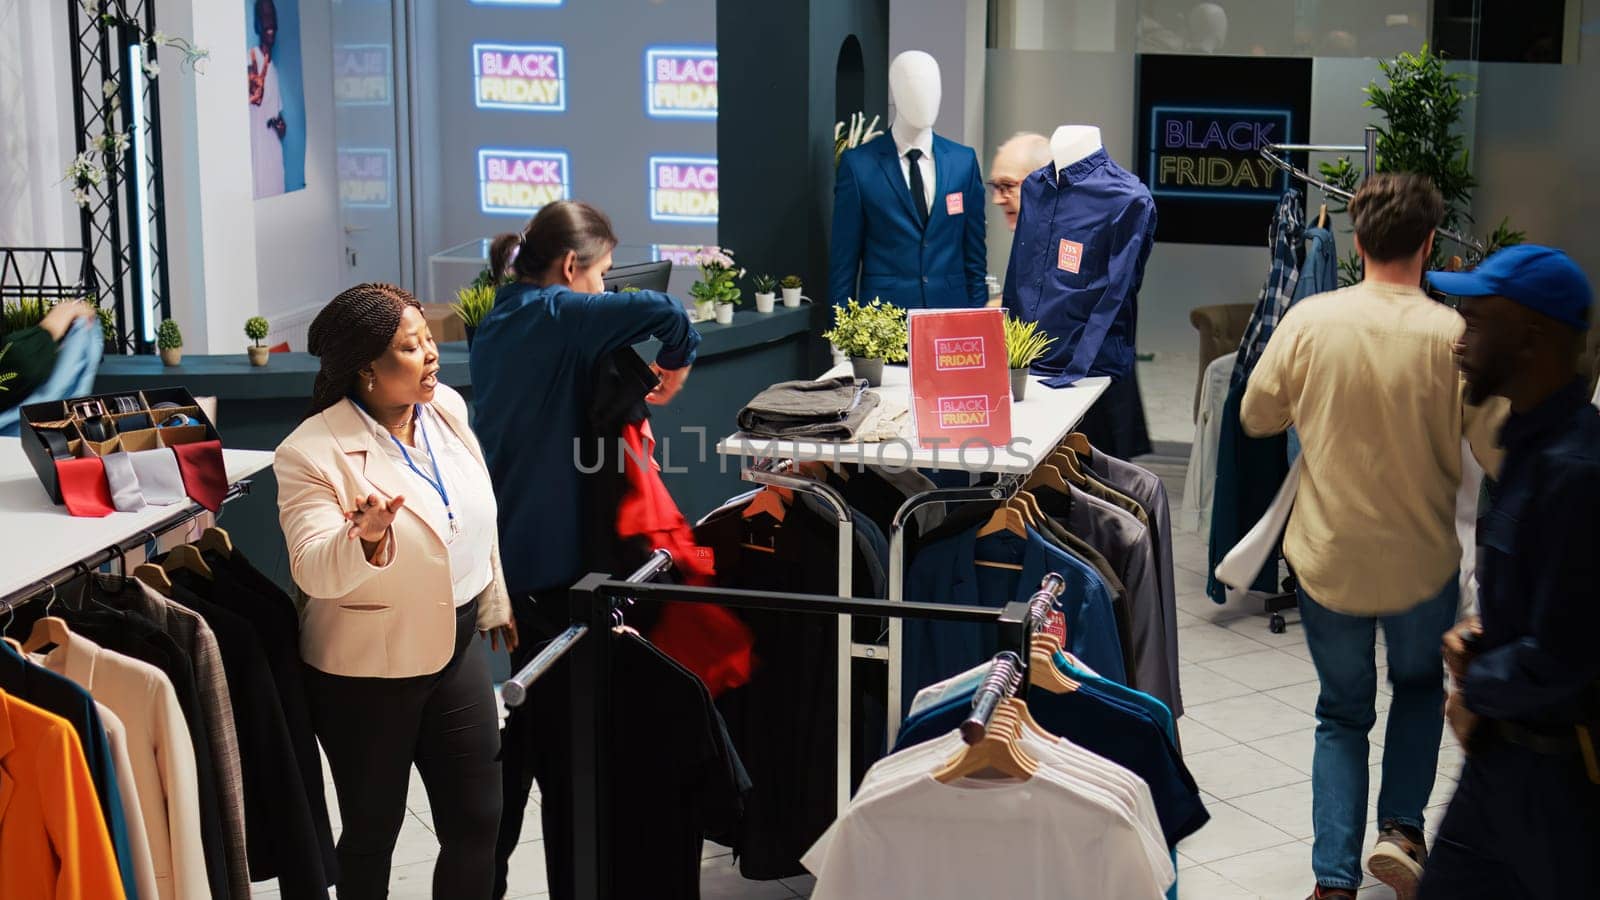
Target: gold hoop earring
x=372, y=385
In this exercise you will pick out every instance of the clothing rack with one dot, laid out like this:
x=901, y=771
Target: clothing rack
x=1276, y=153
x=117, y=551
x=594, y=600
x=515, y=691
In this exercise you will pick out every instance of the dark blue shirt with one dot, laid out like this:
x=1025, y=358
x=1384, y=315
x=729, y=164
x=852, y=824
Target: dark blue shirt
x=533, y=361
x=1077, y=261
x=1538, y=567
x=1106, y=728
x=946, y=571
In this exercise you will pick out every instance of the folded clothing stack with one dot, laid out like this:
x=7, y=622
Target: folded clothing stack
x=830, y=409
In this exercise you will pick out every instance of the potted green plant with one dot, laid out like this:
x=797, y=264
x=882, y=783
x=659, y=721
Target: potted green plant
x=1025, y=343
x=256, y=328
x=24, y=312
x=473, y=302
x=717, y=291
x=1423, y=104
x=871, y=335
x=791, y=290
x=169, y=340
x=765, y=286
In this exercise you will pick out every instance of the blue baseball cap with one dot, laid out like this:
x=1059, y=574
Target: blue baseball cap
x=1543, y=279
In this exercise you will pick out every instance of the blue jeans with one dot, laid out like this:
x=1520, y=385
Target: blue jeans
x=1343, y=650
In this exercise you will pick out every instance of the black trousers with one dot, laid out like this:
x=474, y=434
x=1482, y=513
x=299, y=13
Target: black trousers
x=535, y=747
x=1522, y=826
x=373, y=729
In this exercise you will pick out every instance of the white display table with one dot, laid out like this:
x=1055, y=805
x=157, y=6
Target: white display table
x=39, y=538
x=1038, y=424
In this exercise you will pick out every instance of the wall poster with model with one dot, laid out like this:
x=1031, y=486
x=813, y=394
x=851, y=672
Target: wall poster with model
x=277, y=96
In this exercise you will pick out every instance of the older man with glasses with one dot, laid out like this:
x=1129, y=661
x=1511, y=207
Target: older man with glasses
x=1013, y=162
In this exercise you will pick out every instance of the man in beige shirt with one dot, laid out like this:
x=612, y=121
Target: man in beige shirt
x=1366, y=376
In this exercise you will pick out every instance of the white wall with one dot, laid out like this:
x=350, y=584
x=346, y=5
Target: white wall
x=952, y=31
x=229, y=256
x=211, y=235
x=299, y=235
x=1536, y=142
x=36, y=138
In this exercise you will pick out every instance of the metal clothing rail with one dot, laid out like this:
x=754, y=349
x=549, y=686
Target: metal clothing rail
x=1004, y=679
x=515, y=691
x=118, y=550
x=593, y=600
x=1274, y=154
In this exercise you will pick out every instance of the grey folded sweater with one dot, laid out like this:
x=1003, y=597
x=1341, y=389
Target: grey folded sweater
x=831, y=409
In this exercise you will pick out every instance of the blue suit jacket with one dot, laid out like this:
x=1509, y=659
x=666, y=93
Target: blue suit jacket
x=876, y=233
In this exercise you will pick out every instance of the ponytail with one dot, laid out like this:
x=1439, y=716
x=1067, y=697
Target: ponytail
x=566, y=226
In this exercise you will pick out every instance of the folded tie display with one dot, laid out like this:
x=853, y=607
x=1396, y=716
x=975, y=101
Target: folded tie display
x=204, y=477
x=125, y=493
x=159, y=479
x=84, y=488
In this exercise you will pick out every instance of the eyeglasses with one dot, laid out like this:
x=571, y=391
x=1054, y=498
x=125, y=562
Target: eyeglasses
x=1004, y=188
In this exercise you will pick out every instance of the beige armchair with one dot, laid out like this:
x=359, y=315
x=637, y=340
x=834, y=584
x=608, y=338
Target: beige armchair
x=1221, y=328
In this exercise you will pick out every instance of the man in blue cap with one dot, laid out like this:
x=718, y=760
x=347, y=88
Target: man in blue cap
x=1525, y=819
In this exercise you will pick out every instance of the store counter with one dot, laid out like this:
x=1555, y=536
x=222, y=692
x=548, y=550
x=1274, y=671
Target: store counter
x=257, y=407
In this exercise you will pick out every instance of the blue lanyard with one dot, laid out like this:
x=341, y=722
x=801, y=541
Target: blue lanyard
x=437, y=481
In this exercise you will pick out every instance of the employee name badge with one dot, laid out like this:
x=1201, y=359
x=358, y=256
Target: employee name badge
x=1070, y=257
x=960, y=383
x=954, y=204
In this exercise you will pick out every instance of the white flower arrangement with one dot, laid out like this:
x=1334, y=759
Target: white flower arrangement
x=860, y=132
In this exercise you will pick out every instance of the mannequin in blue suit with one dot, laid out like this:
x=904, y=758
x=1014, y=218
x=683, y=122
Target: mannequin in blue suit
x=878, y=231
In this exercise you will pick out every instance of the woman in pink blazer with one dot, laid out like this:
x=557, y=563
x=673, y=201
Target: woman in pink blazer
x=390, y=520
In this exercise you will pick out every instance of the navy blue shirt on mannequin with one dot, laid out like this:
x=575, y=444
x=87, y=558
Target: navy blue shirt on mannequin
x=533, y=360
x=1077, y=262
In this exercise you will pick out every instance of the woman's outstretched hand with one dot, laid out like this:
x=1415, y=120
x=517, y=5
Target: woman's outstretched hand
x=671, y=383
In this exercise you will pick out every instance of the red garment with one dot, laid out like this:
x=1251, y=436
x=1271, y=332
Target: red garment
x=84, y=487
x=204, y=478
x=709, y=641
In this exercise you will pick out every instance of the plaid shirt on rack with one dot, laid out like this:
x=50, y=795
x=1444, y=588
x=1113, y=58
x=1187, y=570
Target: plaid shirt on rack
x=1284, y=240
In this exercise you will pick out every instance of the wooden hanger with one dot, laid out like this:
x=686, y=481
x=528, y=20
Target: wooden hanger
x=215, y=540
x=1322, y=216
x=1042, y=671
x=999, y=751
x=1029, y=505
x=1078, y=443
x=185, y=556
x=1071, y=467
x=13, y=643
x=46, y=631
x=769, y=501
x=154, y=577
x=1047, y=475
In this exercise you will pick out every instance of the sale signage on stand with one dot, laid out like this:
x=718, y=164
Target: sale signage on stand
x=960, y=382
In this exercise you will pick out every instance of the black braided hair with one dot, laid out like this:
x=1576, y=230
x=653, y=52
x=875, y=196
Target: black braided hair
x=354, y=329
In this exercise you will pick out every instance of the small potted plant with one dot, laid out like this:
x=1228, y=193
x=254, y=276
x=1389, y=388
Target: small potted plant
x=169, y=340
x=473, y=302
x=870, y=335
x=255, y=328
x=717, y=291
x=791, y=290
x=765, y=286
x=1025, y=343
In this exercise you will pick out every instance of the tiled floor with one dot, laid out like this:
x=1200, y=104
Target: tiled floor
x=1247, y=737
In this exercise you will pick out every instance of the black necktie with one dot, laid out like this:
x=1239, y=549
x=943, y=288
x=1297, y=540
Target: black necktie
x=919, y=197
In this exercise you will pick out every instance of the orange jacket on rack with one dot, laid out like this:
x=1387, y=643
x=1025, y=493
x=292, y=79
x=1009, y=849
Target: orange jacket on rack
x=53, y=840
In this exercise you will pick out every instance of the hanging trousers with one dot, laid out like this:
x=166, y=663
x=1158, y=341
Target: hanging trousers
x=447, y=723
